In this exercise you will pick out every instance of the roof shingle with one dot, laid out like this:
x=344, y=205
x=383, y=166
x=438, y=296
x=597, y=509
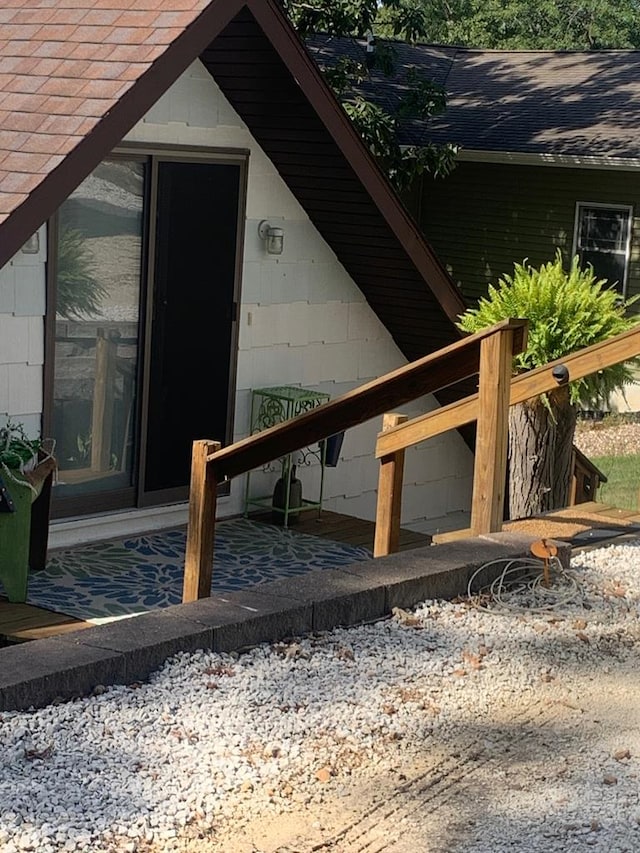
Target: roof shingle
x=63, y=66
x=572, y=103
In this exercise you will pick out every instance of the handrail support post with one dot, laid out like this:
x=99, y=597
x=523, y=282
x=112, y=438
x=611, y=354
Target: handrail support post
x=198, y=566
x=389, y=507
x=490, y=468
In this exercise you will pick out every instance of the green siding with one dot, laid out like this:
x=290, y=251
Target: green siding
x=485, y=217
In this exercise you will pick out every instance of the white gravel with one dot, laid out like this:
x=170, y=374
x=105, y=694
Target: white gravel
x=215, y=742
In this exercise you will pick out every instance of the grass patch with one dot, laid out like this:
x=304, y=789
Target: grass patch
x=623, y=480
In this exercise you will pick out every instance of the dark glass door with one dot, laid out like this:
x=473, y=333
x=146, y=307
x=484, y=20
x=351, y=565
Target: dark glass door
x=188, y=375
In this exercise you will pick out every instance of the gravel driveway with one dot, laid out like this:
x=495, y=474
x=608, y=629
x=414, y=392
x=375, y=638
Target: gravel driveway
x=447, y=729
x=608, y=439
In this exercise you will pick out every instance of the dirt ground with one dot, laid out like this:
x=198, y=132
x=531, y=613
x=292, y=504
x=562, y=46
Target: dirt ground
x=447, y=794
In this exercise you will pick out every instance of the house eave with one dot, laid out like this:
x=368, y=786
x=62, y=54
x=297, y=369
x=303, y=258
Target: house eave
x=567, y=161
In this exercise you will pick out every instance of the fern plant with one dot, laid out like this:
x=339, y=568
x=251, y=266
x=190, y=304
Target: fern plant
x=567, y=311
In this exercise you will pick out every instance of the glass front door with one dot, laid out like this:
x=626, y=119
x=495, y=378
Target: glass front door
x=97, y=330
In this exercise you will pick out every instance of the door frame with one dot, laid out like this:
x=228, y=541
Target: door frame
x=151, y=154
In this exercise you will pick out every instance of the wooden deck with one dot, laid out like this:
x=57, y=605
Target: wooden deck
x=576, y=524
x=345, y=529
x=22, y=622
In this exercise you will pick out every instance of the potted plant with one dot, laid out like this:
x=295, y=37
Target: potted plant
x=25, y=465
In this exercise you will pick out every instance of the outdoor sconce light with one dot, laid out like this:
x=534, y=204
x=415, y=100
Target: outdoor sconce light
x=273, y=237
x=32, y=246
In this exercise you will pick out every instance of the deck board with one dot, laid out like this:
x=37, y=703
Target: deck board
x=343, y=528
x=22, y=622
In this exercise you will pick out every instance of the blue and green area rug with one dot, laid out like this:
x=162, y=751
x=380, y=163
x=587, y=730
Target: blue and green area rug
x=107, y=580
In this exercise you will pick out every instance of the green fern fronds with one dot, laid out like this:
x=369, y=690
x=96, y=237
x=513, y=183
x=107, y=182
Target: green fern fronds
x=567, y=311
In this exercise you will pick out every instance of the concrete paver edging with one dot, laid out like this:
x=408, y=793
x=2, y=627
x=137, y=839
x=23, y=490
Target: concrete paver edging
x=36, y=673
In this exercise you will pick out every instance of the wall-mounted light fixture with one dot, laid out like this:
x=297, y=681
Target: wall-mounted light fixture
x=32, y=246
x=273, y=237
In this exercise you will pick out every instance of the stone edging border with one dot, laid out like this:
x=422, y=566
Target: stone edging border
x=37, y=673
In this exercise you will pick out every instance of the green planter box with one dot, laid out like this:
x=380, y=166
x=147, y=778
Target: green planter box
x=16, y=533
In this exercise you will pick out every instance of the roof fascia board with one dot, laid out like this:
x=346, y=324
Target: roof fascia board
x=112, y=127
x=308, y=76
x=566, y=161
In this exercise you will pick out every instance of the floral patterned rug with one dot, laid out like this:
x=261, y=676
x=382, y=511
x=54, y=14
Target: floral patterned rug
x=107, y=580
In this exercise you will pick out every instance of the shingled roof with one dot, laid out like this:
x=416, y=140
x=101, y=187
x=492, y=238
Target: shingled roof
x=64, y=67
x=570, y=103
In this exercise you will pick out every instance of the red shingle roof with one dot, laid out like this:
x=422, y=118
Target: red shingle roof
x=63, y=65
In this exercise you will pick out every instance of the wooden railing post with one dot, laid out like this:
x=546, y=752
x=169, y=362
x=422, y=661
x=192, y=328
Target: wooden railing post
x=489, y=475
x=389, y=507
x=198, y=564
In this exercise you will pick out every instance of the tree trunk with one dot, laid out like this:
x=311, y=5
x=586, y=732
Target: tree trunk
x=540, y=444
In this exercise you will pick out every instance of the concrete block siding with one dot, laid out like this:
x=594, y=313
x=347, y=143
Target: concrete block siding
x=22, y=308
x=303, y=321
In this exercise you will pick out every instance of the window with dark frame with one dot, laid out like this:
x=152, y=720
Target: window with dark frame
x=602, y=239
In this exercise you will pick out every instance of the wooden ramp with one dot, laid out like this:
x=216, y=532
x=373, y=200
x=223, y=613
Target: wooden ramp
x=579, y=524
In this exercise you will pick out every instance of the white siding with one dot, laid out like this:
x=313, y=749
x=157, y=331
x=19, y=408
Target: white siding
x=22, y=308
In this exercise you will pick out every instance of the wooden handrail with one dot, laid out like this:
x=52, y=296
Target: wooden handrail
x=211, y=465
x=424, y=376
x=523, y=387
x=490, y=408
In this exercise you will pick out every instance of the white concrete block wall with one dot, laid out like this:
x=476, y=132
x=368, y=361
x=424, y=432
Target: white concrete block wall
x=22, y=308
x=303, y=321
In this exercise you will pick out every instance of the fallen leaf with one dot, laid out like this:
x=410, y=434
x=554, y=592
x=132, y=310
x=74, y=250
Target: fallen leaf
x=621, y=754
x=34, y=754
x=406, y=618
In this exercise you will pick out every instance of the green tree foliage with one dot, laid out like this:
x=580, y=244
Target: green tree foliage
x=404, y=19
x=531, y=24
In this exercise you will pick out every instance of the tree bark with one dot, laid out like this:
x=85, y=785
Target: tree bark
x=540, y=444
x=566, y=417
